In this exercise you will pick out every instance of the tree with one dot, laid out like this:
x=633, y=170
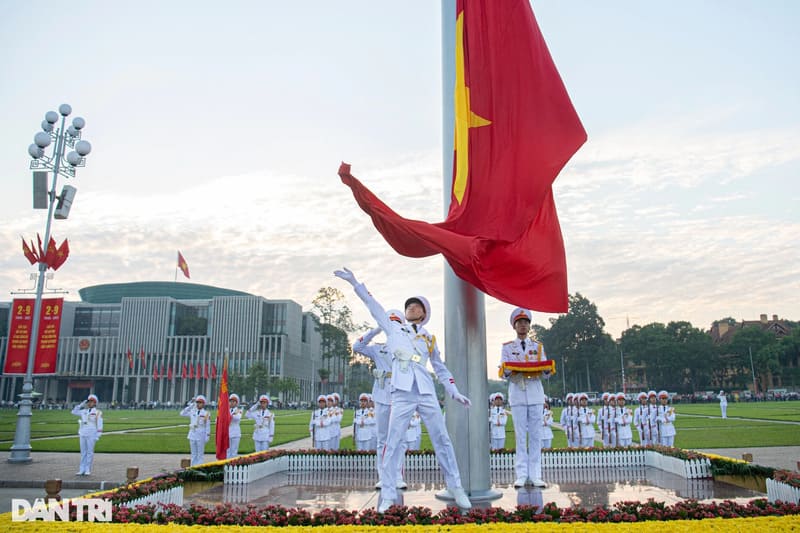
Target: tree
x=334, y=321
x=586, y=353
x=736, y=354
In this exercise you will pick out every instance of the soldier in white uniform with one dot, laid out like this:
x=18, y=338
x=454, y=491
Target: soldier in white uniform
x=264, y=430
x=623, y=419
x=381, y=391
x=363, y=420
x=90, y=428
x=336, y=415
x=199, y=427
x=604, y=421
x=640, y=420
x=235, y=428
x=586, y=420
x=319, y=426
x=498, y=418
x=413, y=389
x=723, y=403
x=566, y=421
x=526, y=397
x=652, y=417
x=414, y=432
x=665, y=418
x=547, y=429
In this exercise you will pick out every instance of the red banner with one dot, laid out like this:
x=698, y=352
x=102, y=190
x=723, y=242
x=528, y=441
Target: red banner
x=20, y=335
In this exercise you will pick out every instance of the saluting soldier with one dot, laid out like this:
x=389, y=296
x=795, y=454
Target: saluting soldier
x=90, y=428
x=336, y=414
x=652, y=416
x=264, y=430
x=526, y=397
x=498, y=418
x=235, y=428
x=199, y=427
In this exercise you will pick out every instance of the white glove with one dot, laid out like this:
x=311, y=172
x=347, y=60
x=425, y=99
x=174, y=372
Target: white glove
x=347, y=275
x=463, y=400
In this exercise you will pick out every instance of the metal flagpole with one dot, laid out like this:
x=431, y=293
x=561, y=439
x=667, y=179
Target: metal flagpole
x=464, y=317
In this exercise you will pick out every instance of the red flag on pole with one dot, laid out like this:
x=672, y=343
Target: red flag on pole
x=191, y=371
x=223, y=415
x=61, y=255
x=130, y=358
x=41, y=250
x=205, y=371
x=183, y=371
x=182, y=264
x=515, y=129
x=28, y=253
x=50, y=255
x=199, y=372
x=141, y=356
x=155, y=372
x=213, y=371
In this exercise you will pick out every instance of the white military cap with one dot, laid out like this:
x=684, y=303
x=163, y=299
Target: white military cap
x=425, y=305
x=518, y=314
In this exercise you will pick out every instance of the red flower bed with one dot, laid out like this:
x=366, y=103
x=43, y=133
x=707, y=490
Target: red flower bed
x=274, y=515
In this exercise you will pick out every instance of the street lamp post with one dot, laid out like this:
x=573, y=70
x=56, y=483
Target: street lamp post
x=57, y=163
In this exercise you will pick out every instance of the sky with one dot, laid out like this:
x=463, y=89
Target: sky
x=217, y=129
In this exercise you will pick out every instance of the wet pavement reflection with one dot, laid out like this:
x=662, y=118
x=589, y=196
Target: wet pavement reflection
x=314, y=491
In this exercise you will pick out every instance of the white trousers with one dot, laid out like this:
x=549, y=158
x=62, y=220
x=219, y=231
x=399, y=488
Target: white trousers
x=87, y=452
x=233, y=447
x=528, y=434
x=198, y=449
x=322, y=444
x=382, y=413
x=667, y=441
x=404, y=403
x=261, y=445
x=724, y=409
x=497, y=444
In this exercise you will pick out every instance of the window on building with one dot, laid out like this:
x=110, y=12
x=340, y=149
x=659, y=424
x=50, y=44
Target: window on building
x=188, y=320
x=273, y=319
x=96, y=322
x=4, y=314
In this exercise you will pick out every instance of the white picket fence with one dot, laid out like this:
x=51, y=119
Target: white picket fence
x=173, y=495
x=692, y=469
x=777, y=490
x=634, y=458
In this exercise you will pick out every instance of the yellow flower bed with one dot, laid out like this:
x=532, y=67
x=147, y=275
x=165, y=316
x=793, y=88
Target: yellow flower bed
x=771, y=524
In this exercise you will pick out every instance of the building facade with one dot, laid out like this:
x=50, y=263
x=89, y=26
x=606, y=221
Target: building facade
x=166, y=342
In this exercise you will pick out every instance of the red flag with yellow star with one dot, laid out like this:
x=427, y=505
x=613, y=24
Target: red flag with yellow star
x=223, y=415
x=515, y=129
x=183, y=265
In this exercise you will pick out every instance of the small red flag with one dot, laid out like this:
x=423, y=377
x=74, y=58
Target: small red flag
x=213, y=371
x=191, y=371
x=141, y=356
x=183, y=371
x=61, y=255
x=41, y=250
x=50, y=255
x=29, y=255
x=199, y=372
x=130, y=358
x=155, y=372
x=223, y=415
x=182, y=265
x=205, y=371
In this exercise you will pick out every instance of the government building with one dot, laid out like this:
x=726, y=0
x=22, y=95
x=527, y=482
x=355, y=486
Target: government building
x=165, y=342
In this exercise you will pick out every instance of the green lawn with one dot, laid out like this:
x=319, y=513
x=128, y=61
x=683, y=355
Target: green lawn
x=698, y=426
